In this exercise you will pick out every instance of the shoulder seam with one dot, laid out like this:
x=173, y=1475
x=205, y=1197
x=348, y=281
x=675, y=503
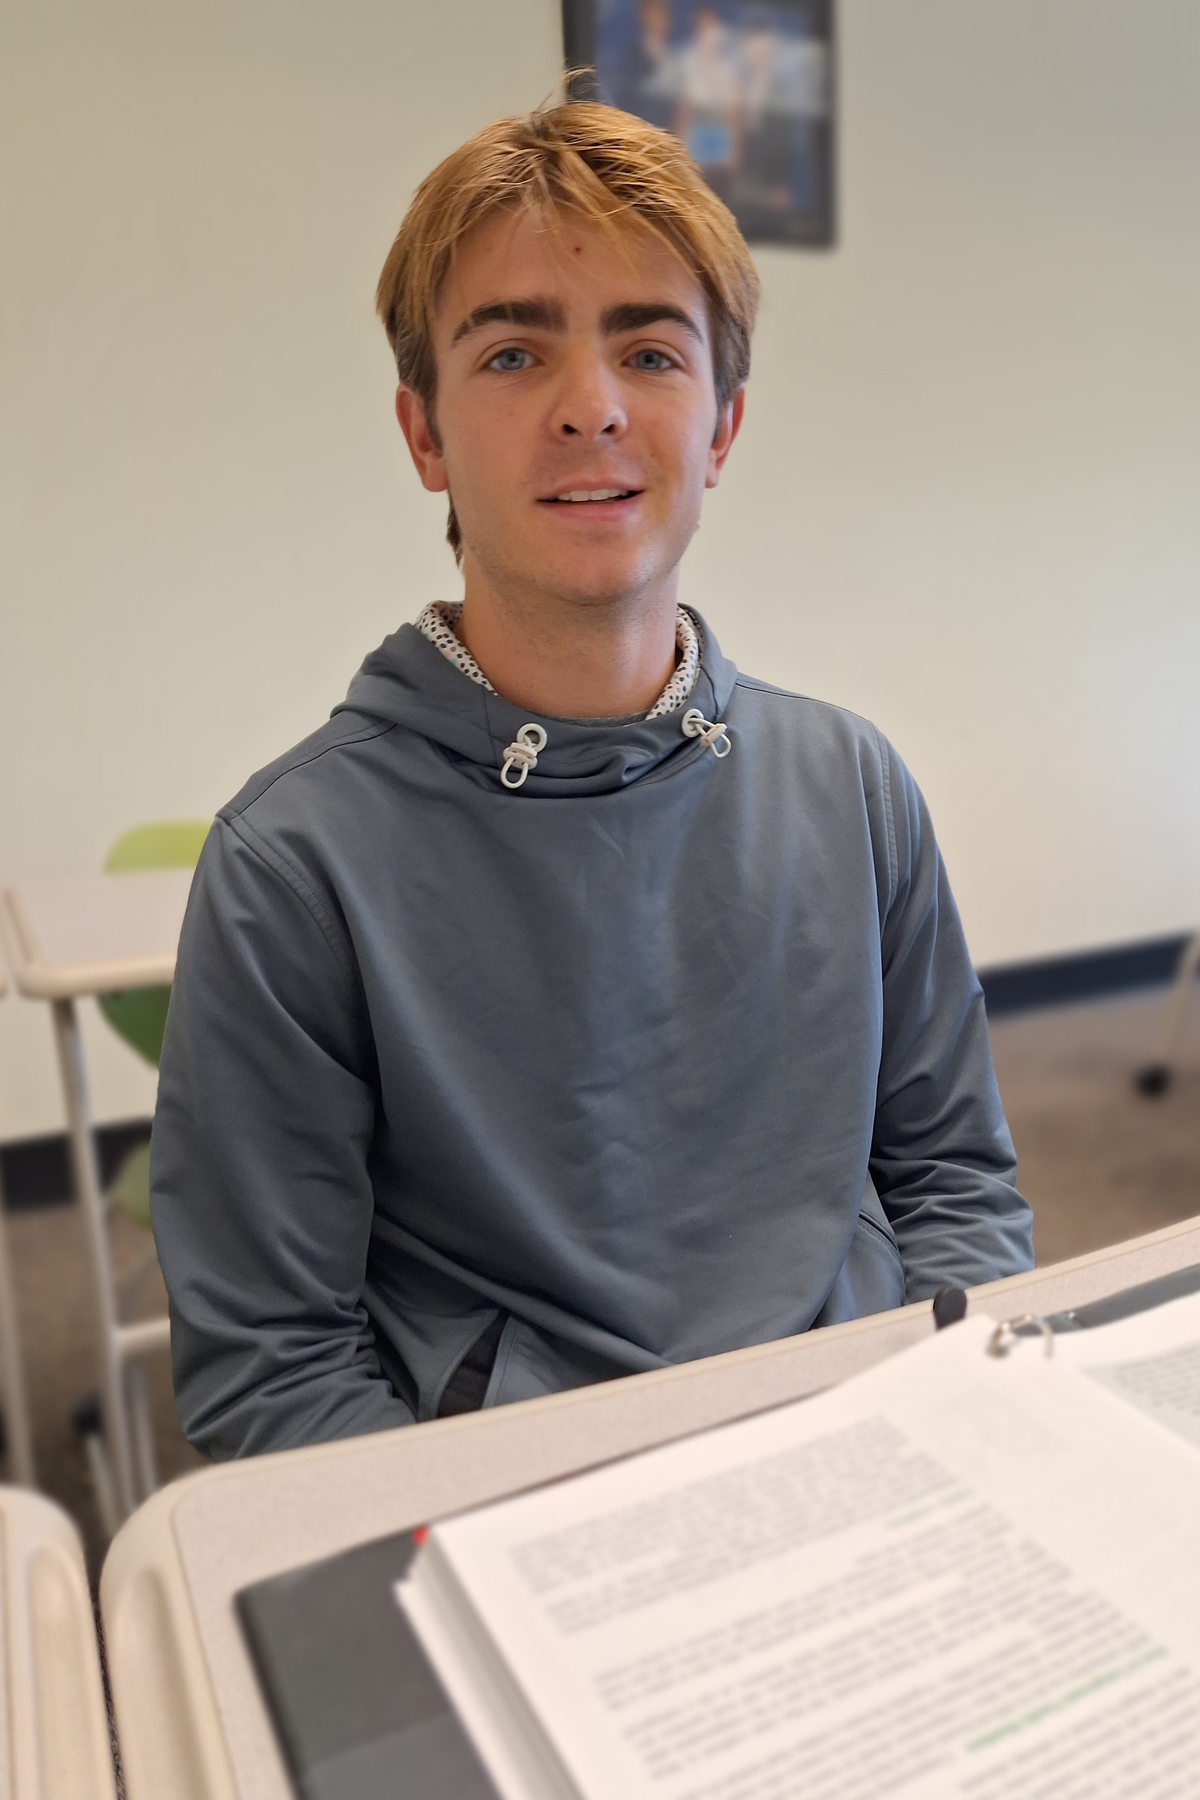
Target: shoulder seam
x=292, y=878
x=753, y=685
x=767, y=687
x=377, y=730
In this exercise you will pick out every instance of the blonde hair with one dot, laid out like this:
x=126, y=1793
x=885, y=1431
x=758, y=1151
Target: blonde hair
x=609, y=168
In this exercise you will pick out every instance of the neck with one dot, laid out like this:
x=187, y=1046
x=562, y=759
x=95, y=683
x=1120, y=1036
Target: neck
x=567, y=659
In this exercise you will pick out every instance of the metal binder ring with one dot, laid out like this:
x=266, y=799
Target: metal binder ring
x=1007, y=1333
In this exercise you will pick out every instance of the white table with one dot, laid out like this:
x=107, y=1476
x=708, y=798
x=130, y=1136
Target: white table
x=68, y=936
x=53, y=1724
x=189, y=1715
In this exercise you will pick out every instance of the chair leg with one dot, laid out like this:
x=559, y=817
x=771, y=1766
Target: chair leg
x=142, y=1430
x=87, y=1420
x=21, y=1469
x=91, y=1202
x=1156, y=1077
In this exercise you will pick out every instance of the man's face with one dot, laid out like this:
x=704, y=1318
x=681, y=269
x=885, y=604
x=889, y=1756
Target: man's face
x=570, y=365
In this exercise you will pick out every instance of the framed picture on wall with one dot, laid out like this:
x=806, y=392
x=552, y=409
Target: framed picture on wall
x=747, y=84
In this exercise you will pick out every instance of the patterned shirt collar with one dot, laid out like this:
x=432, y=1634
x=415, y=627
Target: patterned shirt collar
x=439, y=619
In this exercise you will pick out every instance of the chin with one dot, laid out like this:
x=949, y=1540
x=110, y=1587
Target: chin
x=599, y=580
x=591, y=588
x=596, y=575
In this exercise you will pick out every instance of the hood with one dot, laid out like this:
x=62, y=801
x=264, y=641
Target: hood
x=410, y=683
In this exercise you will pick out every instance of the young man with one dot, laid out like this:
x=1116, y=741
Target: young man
x=568, y=1005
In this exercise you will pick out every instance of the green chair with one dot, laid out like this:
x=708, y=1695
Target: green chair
x=140, y=1015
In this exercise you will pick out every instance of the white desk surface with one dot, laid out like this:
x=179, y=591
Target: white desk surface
x=53, y=1723
x=69, y=935
x=189, y=1715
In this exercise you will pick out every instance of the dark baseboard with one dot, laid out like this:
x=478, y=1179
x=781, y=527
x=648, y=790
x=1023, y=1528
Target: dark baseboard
x=37, y=1171
x=1084, y=975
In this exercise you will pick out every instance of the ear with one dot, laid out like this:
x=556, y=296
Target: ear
x=423, y=445
x=728, y=425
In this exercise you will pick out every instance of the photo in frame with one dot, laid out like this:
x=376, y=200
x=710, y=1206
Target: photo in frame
x=748, y=85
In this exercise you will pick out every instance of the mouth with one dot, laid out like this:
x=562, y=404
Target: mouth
x=594, y=502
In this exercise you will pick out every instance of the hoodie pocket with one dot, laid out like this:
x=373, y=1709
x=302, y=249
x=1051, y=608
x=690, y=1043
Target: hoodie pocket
x=871, y=1279
x=882, y=1232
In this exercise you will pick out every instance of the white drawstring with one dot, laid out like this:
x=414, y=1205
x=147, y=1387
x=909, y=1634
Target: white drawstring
x=522, y=754
x=696, y=725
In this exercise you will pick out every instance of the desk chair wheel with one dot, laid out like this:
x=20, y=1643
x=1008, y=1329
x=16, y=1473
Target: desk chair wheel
x=1153, y=1080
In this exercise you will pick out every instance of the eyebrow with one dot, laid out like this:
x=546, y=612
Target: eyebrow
x=652, y=312
x=550, y=315
x=540, y=315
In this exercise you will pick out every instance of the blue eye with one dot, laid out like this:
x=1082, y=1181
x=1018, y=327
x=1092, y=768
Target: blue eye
x=510, y=361
x=651, y=361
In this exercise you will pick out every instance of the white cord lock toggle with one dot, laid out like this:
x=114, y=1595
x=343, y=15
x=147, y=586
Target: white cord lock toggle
x=522, y=754
x=696, y=725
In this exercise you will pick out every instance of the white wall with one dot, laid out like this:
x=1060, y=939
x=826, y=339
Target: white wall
x=964, y=502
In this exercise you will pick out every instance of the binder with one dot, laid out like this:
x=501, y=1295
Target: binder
x=358, y=1709
x=1129, y=1301
x=1125, y=1304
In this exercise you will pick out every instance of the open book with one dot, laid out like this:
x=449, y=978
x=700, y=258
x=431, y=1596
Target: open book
x=958, y=1574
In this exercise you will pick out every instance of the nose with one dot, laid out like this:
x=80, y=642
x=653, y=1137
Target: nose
x=588, y=404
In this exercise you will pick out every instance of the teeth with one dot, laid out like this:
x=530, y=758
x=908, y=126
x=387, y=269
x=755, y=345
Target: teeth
x=578, y=494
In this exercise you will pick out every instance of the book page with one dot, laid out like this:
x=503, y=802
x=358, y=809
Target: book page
x=937, y=1580
x=1151, y=1361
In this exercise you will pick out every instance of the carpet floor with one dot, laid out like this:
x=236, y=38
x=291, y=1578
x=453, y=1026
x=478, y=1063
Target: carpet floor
x=1098, y=1162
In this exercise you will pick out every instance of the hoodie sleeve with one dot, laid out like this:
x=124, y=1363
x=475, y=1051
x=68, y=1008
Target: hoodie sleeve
x=942, y=1159
x=260, y=1195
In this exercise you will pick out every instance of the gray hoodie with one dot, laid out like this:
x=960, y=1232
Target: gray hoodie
x=660, y=1055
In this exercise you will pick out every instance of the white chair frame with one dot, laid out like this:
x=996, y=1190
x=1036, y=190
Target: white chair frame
x=123, y=1465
